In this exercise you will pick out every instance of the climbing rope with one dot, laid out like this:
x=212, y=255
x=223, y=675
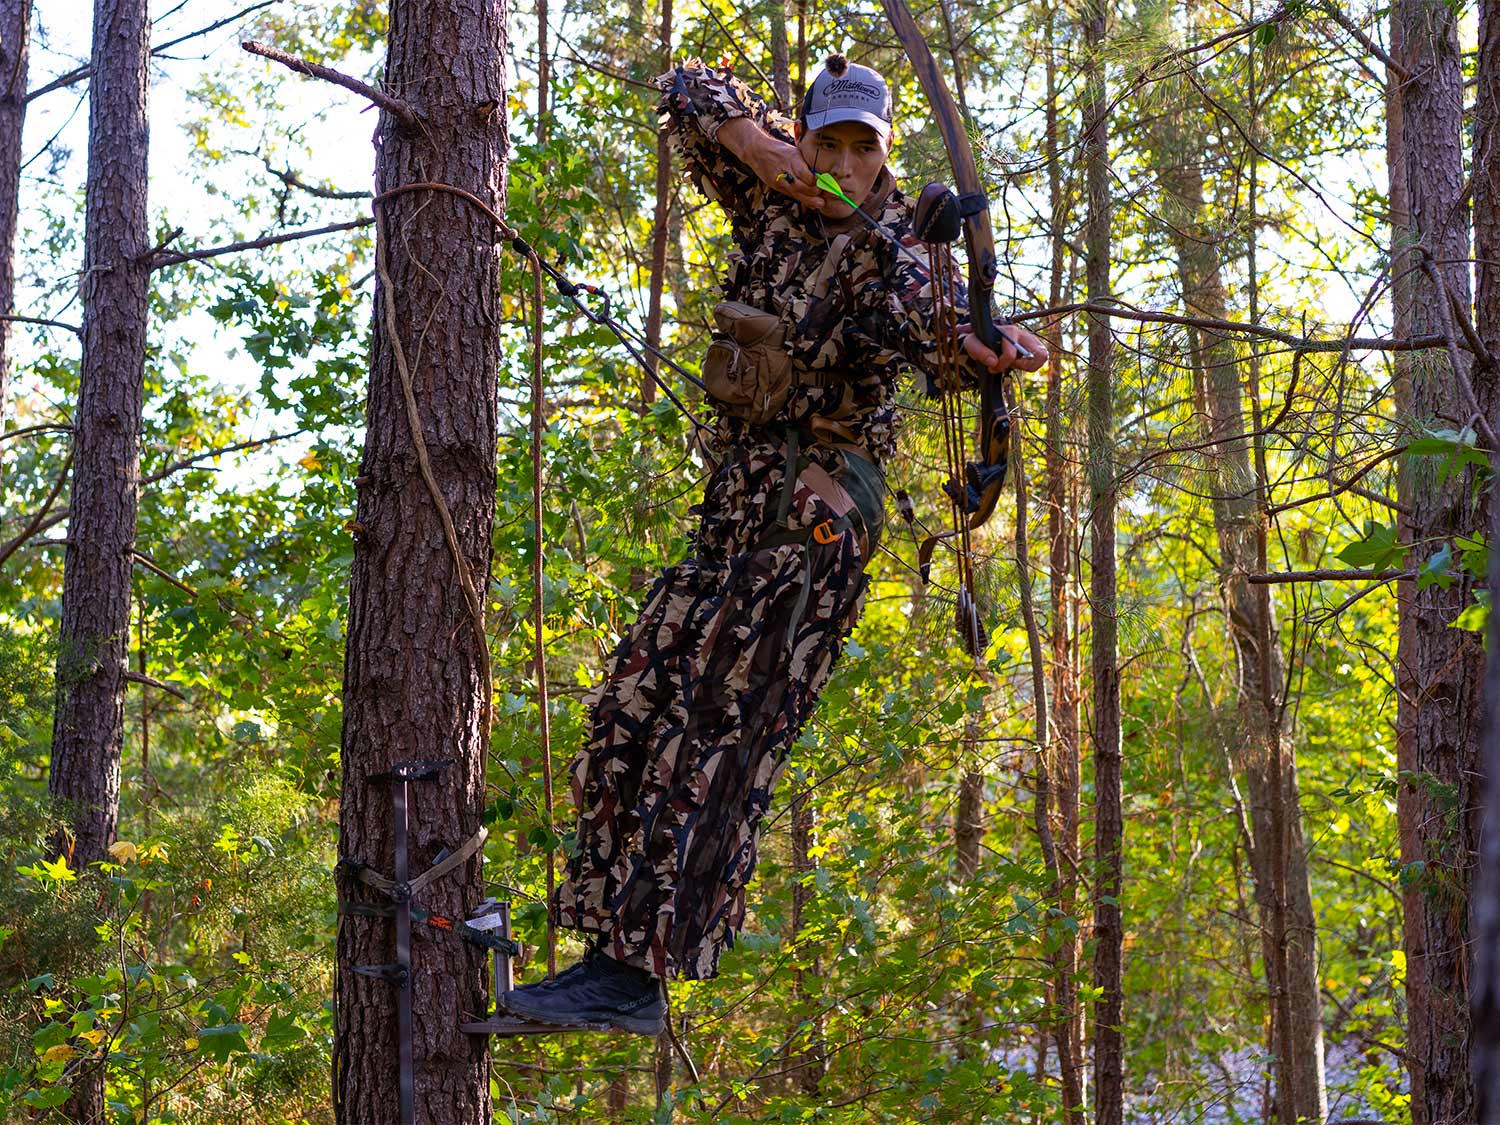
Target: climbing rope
x=572, y=290
x=635, y=345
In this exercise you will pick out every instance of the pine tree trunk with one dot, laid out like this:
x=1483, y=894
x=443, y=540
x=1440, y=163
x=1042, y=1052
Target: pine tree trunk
x=1485, y=1049
x=414, y=675
x=1279, y=851
x=88, y=728
x=1440, y=669
x=15, y=38
x=1109, y=1042
x=809, y=1060
x=1066, y=736
x=968, y=813
x=661, y=222
x=781, y=60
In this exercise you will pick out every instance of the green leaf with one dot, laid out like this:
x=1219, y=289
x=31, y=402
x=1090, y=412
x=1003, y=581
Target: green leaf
x=222, y=1041
x=282, y=1031
x=1474, y=554
x=1473, y=618
x=1435, y=571
x=49, y=1098
x=1379, y=549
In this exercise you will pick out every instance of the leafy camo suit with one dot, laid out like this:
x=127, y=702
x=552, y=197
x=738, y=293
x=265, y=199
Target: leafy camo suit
x=707, y=691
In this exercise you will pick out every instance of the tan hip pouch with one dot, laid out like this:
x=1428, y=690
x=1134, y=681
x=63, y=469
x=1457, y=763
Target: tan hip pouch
x=747, y=370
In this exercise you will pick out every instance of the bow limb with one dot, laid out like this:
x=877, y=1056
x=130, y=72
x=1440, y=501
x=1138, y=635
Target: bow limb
x=987, y=473
x=978, y=237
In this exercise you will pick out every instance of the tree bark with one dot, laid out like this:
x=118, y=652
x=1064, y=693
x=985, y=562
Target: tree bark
x=1109, y=952
x=88, y=728
x=1278, y=859
x=15, y=39
x=809, y=1061
x=1440, y=669
x=661, y=222
x=968, y=813
x=88, y=724
x=781, y=59
x=1066, y=738
x=415, y=675
x=1485, y=1048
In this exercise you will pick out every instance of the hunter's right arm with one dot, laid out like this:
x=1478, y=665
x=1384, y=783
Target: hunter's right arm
x=733, y=144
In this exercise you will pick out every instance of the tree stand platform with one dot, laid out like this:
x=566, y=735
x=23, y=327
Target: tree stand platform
x=503, y=1023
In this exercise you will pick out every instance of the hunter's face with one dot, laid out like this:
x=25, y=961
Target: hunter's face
x=853, y=153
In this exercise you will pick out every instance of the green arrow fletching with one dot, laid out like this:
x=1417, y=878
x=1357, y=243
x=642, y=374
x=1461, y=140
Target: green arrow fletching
x=831, y=186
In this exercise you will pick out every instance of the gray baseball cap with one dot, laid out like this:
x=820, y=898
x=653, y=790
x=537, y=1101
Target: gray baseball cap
x=847, y=91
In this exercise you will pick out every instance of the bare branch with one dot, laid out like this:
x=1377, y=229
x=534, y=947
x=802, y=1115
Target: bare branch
x=73, y=328
x=36, y=524
x=166, y=576
x=1329, y=576
x=255, y=243
x=151, y=681
x=187, y=462
x=1333, y=11
x=161, y=247
x=292, y=180
x=38, y=428
x=78, y=74
x=232, y=18
x=1299, y=343
x=1342, y=486
x=394, y=106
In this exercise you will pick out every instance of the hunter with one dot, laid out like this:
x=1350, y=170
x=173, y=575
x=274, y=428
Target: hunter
x=707, y=691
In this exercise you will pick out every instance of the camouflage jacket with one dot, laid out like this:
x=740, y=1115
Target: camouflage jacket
x=875, y=319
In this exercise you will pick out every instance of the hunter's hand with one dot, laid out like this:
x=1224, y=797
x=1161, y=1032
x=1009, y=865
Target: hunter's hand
x=779, y=165
x=1006, y=359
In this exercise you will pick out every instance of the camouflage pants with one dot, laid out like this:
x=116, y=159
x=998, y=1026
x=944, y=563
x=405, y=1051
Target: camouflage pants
x=696, y=716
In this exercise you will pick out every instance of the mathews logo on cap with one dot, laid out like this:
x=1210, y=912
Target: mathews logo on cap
x=846, y=91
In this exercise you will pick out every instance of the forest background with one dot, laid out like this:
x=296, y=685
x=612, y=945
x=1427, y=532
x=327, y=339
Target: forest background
x=933, y=899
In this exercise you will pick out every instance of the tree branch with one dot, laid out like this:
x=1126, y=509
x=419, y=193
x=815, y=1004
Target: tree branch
x=188, y=462
x=1329, y=576
x=38, y=428
x=35, y=524
x=292, y=180
x=174, y=259
x=232, y=18
x=78, y=74
x=1338, y=17
x=73, y=328
x=397, y=108
x=1341, y=486
x=1299, y=343
x=164, y=575
x=150, y=681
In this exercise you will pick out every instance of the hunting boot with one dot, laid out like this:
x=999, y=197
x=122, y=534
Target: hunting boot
x=597, y=989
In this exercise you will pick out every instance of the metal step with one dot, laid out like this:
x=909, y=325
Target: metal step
x=510, y=1026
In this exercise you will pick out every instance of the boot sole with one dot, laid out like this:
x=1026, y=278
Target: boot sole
x=639, y=1025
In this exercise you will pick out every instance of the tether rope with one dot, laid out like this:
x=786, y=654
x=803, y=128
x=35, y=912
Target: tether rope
x=538, y=610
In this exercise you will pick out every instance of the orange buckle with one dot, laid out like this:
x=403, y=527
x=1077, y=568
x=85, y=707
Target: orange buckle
x=824, y=533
